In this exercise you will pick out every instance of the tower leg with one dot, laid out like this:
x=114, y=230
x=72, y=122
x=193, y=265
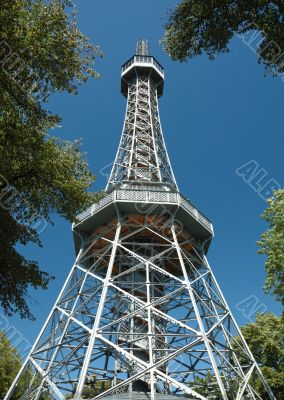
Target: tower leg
x=140, y=310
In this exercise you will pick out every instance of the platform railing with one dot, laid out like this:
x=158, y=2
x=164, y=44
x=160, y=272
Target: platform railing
x=142, y=59
x=147, y=196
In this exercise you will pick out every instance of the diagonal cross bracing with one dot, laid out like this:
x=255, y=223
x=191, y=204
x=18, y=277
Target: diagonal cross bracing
x=141, y=311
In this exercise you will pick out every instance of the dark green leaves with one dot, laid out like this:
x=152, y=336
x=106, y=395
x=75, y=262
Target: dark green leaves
x=272, y=245
x=196, y=27
x=265, y=339
x=41, y=52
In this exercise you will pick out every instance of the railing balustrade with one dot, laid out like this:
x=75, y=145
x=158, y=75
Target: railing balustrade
x=147, y=196
x=142, y=59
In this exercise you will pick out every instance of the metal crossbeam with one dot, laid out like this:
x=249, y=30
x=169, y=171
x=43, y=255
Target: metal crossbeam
x=141, y=310
x=142, y=156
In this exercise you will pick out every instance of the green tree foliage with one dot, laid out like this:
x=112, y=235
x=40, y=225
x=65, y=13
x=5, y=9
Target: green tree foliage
x=92, y=389
x=265, y=339
x=10, y=363
x=41, y=52
x=206, y=386
x=272, y=245
x=196, y=27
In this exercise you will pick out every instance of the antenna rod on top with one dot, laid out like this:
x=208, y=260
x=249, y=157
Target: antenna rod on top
x=142, y=47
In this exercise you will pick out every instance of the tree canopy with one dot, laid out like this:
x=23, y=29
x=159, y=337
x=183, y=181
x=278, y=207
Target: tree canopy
x=41, y=52
x=10, y=363
x=272, y=245
x=265, y=339
x=196, y=27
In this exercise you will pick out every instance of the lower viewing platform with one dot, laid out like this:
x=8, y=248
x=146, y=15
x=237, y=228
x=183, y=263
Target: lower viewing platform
x=144, y=202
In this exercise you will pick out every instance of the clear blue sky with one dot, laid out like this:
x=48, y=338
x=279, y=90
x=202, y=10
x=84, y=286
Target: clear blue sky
x=216, y=116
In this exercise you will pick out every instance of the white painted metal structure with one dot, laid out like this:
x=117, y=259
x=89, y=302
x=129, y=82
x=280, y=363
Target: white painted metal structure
x=141, y=315
x=142, y=156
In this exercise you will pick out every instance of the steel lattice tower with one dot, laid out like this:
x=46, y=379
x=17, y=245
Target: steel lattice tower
x=141, y=315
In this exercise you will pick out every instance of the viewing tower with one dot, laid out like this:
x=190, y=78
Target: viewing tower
x=141, y=315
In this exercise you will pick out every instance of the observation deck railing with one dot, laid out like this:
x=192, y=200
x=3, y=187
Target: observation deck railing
x=147, y=196
x=142, y=59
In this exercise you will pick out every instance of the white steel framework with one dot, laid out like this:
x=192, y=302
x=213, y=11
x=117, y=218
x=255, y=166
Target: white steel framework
x=141, y=315
x=142, y=156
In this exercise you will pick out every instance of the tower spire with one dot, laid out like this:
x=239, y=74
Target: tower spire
x=142, y=47
x=142, y=158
